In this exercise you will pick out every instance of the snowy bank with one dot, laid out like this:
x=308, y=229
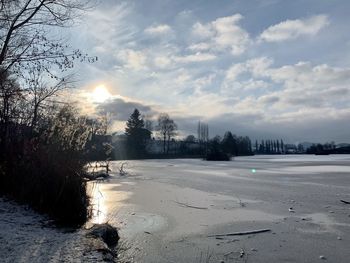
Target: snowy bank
x=26, y=236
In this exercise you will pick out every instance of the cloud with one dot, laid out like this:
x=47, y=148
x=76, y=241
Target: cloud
x=223, y=34
x=158, y=29
x=296, y=93
x=132, y=59
x=303, y=76
x=200, y=46
x=258, y=67
x=212, y=68
x=121, y=109
x=235, y=70
x=269, y=99
x=292, y=29
x=105, y=28
x=203, y=31
x=162, y=61
x=197, y=57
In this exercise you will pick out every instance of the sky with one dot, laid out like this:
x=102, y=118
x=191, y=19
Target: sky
x=263, y=68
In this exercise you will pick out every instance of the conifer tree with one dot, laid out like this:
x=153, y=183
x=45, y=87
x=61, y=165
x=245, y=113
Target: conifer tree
x=137, y=135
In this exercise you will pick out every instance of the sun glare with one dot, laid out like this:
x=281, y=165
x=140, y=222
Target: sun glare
x=100, y=94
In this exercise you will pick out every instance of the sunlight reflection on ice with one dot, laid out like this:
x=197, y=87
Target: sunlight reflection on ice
x=106, y=201
x=99, y=209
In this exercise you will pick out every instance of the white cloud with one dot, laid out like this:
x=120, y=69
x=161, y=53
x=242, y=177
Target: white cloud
x=305, y=76
x=182, y=78
x=253, y=84
x=132, y=59
x=198, y=57
x=257, y=67
x=187, y=68
x=200, y=46
x=203, y=31
x=162, y=61
x=235, y=70
x=287, y=89
x=292, y=29
x=230, y=35
x=107, y=28
x=158, y=29
x=203, y=82
x=223, y=33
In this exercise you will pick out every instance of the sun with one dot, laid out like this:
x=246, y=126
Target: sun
x=100, y=94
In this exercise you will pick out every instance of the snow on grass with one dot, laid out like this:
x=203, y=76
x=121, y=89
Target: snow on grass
x=26, y=236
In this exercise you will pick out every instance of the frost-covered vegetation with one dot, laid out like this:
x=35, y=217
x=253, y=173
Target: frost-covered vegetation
x=45, y=167
x=42, y=139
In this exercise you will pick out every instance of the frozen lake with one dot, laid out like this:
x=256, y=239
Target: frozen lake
x=166, y=209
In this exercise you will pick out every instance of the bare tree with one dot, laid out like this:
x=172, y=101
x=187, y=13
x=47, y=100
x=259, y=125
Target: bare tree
x=24, y=31
x=10, y=95
x=29, y=50
x=203, y=136
x=167, y=129
x=39, y=91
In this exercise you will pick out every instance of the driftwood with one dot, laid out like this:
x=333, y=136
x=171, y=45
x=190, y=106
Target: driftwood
x=122, y=171
x=345, y=202
x=102, y=164
x=242, y=233
x=95, y=175
x=190, y=206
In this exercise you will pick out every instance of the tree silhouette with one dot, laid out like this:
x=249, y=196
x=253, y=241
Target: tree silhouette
x=282, y=146
x=24, y=31
x=229, y=144
x=167, y=129
x=137, y=135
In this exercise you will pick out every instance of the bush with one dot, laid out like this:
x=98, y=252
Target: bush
x=45, y=169
x=215, y=152
x=217, y=156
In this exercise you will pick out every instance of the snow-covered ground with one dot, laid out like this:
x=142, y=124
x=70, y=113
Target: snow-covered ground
x=26, y=236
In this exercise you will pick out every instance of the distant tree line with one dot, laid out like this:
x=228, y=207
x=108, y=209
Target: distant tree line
x=142, y=139
x=327, y=148
x=145, y=139
x=269, y=147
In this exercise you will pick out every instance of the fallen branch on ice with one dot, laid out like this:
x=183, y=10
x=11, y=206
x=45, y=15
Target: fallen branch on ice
x=242, y=233
x=345, y=202
x=190, y=206
x=121, y=169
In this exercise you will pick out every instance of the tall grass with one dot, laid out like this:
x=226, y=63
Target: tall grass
x=46, y=168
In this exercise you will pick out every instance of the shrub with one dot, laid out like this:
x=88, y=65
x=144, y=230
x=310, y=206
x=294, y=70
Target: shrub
x=45, y=169
x=215, y=152
x=217, y=156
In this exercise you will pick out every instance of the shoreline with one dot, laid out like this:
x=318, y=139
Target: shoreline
x=27, y=236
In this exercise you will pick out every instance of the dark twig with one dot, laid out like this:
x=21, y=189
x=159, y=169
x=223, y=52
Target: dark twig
x=190, y=206
x=242, y=233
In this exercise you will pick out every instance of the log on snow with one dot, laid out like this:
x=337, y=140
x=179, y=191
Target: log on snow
x=242, y=233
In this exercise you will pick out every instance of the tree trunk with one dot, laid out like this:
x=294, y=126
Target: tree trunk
x=168, y=146
x=164, y=139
